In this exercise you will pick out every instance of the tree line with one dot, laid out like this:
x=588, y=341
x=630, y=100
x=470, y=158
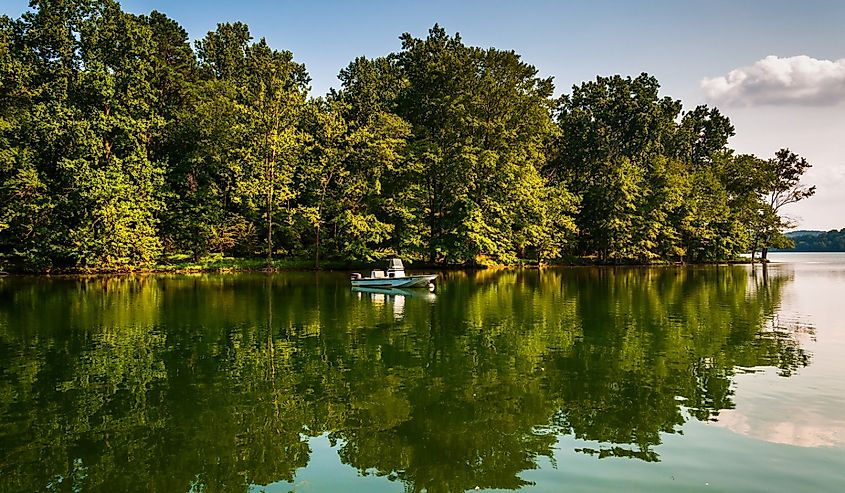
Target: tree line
x=820, y=241
x=121, y=143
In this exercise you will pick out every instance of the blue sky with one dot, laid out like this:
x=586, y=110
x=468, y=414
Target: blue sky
x=681, y=43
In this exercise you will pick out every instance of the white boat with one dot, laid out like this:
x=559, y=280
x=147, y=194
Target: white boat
x=394, y=277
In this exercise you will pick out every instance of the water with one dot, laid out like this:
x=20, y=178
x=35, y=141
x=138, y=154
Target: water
x=583, y=379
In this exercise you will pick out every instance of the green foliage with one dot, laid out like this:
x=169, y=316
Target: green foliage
x=120, y=143
x=830, y=241
x=779, y=184
x=80, y=186
x=657, y=184
x=481, y=125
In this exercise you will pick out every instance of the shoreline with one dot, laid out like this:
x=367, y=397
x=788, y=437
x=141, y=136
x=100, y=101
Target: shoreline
x=247, y=265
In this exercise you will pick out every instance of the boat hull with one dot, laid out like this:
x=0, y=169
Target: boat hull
x=395, y=282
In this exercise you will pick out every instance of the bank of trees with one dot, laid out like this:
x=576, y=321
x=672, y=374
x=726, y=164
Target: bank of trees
x=121, y=143
x=821, y=241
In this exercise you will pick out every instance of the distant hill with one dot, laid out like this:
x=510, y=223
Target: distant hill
x=803, y=232
x=817, y=241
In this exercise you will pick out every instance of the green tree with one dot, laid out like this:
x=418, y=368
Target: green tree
x=371, y=91
x=88, y=122
x=481, y=126
x=275, y=92
x=702, y=134
x=118, y=143
x=652, y=181
x=264, y=92
x=614, y=133
x=830, y=241
x=342, y=175
x=206, y=210
x=780, y=179
x=174, y=65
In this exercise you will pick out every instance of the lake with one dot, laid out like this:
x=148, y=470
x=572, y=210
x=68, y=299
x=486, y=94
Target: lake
x=701, y=378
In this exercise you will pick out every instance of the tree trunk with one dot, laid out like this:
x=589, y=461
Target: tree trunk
x=271, y=178
x=754, y=244
x=271, y=172
x=317, y=254
x=270, y=222
x=320, y=220
x=432, y=226
x=764, y=254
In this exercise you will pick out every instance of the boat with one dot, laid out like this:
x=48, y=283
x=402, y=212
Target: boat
x=393, y=277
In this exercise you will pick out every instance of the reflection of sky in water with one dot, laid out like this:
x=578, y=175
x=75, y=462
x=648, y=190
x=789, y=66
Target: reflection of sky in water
x=808, y=408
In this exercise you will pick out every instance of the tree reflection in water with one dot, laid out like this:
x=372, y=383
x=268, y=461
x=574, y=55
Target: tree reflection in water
x=215, y=383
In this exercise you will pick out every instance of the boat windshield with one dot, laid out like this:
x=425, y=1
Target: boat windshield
x=395, y=264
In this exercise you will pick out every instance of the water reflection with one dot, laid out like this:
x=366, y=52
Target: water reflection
x=805, y=411
x=218, y=382
x=393, y=297
x=786, y=425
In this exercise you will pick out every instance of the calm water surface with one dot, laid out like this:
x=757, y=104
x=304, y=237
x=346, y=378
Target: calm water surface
x=581, y=379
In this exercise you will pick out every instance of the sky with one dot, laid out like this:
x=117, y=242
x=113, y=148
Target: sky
x=776, y=68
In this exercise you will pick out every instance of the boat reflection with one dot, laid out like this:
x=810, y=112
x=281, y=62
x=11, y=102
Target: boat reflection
x=391, y=293
x=394, y=297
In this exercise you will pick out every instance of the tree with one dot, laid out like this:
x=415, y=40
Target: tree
x=324, y=170
x=266, y=90
x=615, y=133
x=830, y=241
x=780, y=185
x=222, y=53
x=481, y=127
x=548, y=222
x=205, y=207
x=702, y=134
x=392, y=188
x=84, y=131
x=174, y=65
x=119, y=143
x=342, y=177
x=275, y=90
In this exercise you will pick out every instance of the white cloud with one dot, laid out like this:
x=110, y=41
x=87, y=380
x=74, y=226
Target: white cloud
x=798, y=80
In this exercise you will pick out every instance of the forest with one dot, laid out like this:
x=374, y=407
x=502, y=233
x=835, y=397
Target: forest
x=818, y=241
x=122, y=145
